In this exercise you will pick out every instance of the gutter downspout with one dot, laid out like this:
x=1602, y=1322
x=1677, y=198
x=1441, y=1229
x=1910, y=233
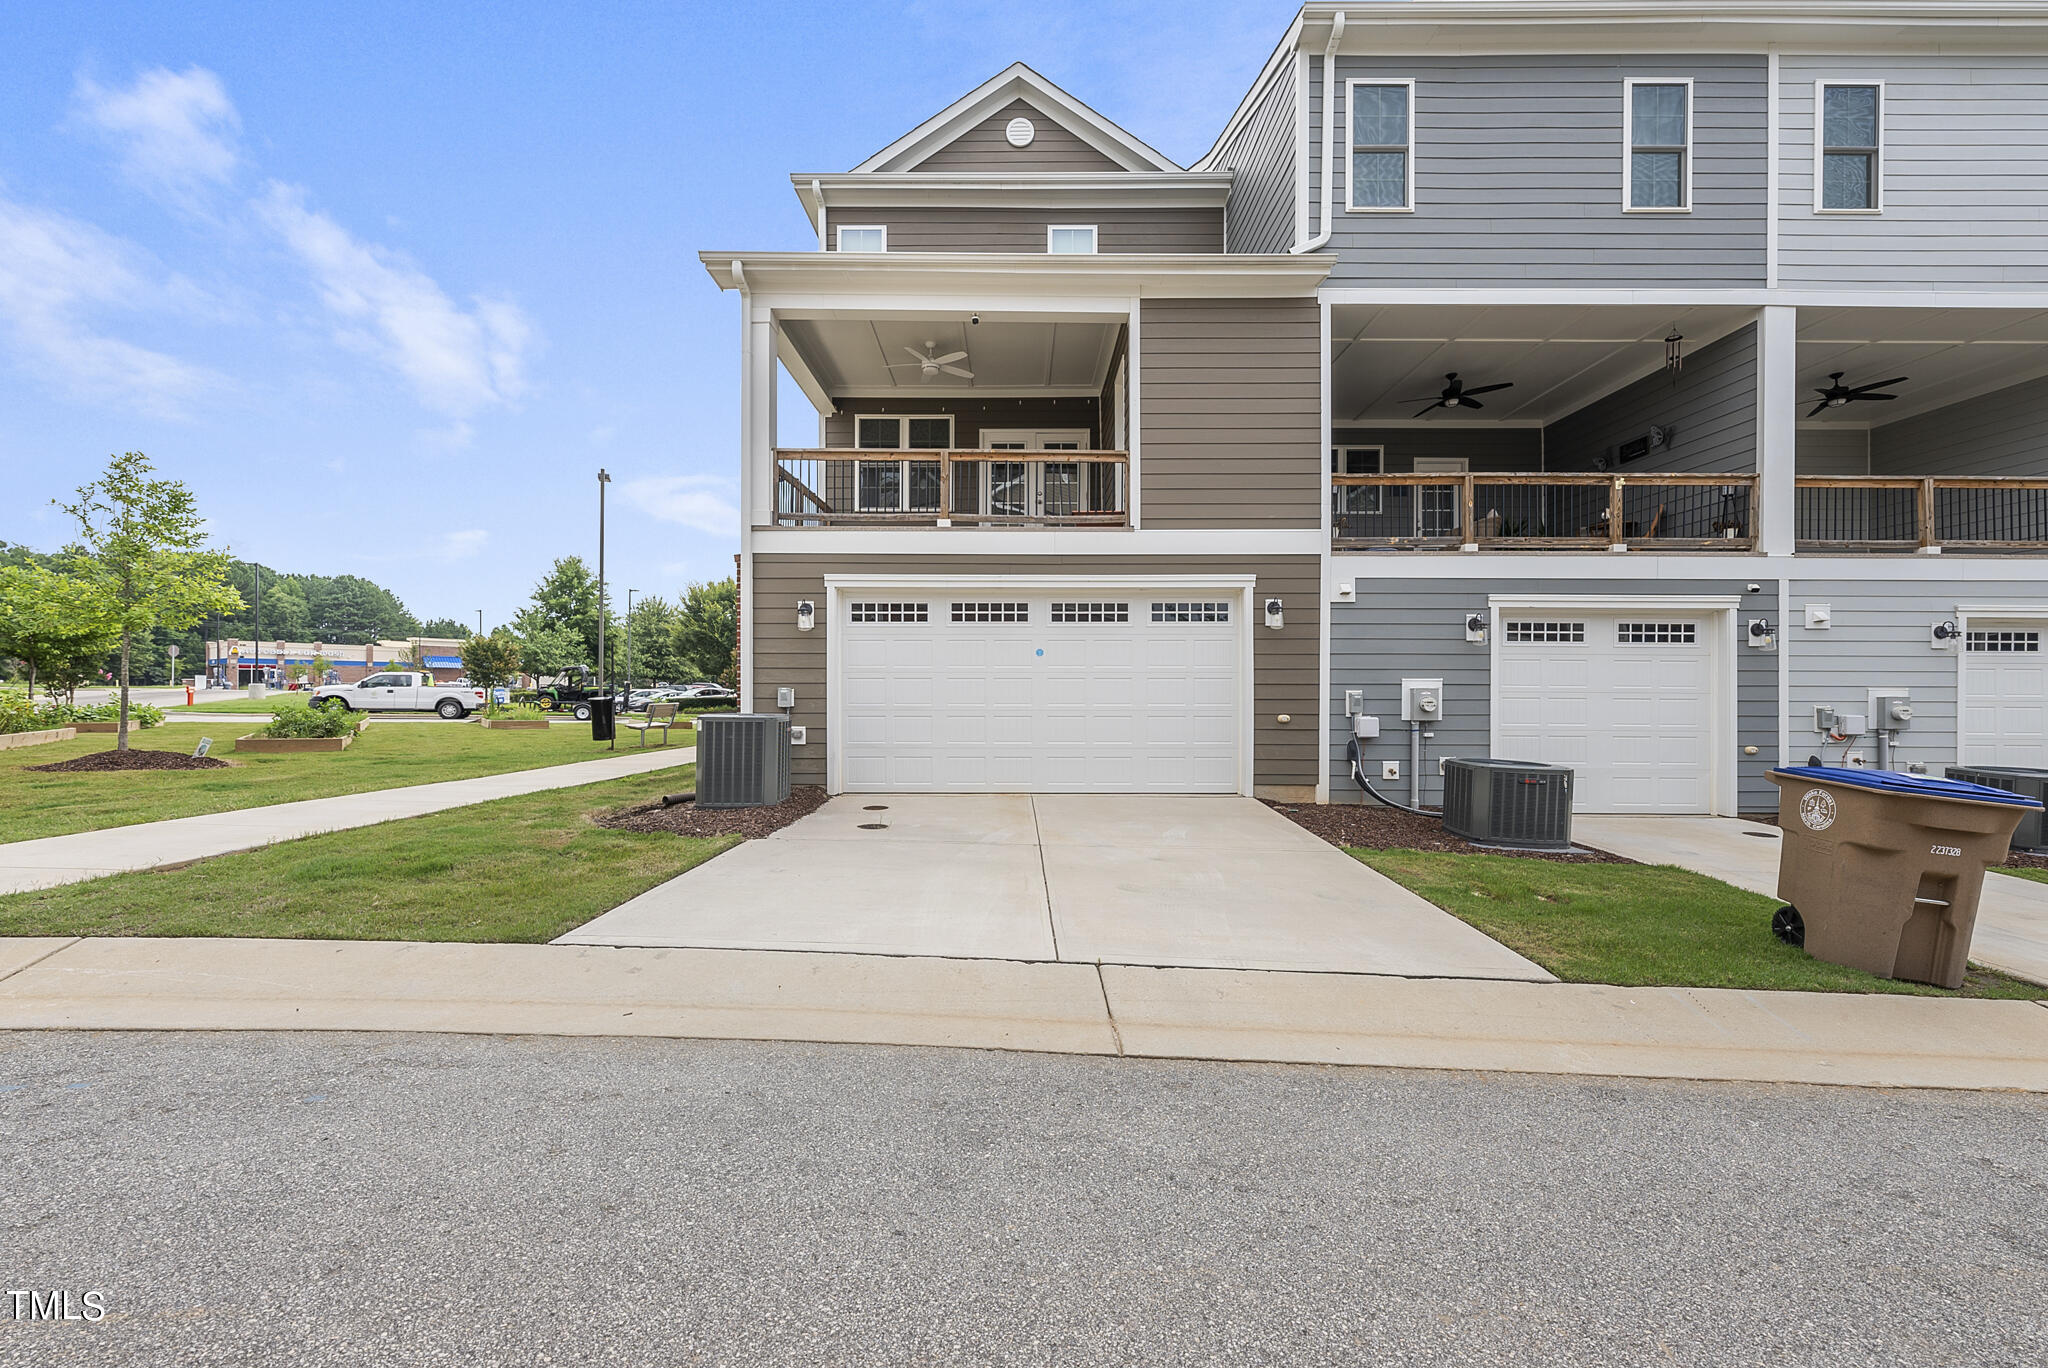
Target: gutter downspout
x=818, y=194
x=1329, y=131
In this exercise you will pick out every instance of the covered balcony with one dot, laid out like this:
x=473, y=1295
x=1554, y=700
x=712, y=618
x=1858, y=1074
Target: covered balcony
x=1543, y=428
x=967, y=420
x=1923, y=430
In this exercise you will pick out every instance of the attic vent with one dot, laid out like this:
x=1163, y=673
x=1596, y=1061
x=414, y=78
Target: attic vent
x=1020, y=131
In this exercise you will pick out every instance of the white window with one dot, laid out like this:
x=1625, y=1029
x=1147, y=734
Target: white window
x=1070, y=239
x=864, y=238
x=1657, y=138
x=1358, y=499
x=1382, y=146
x=901, y=486
x=1848, y=147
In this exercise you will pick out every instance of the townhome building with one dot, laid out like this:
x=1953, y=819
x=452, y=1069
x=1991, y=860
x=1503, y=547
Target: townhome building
x=1659, y=390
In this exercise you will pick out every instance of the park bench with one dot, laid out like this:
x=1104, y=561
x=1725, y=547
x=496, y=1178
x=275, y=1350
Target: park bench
x=659, y=715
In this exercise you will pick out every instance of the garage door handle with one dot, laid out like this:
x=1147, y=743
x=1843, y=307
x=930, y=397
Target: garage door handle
x=1930, y=902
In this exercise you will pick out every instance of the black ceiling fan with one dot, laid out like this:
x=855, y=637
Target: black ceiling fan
x=1455, y=395
x=1838, y=394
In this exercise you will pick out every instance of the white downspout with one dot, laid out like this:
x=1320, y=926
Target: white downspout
x=818, y=194
x=1329, y=131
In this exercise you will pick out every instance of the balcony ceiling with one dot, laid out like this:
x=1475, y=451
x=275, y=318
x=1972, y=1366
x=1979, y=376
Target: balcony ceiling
x=1946, y=355
x=1558, y=357
x=867, y=357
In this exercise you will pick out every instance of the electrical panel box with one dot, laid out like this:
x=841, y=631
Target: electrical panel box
x=1890, y=710
x=1354, y=702
x=1825, y=719
x=785, y=697
x=1422, y=700
x=1852, y=724
x=1365, y=726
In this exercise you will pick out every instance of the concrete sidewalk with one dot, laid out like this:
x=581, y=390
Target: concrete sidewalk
x=54, y=860
x=229, y=985
x=2012, y=916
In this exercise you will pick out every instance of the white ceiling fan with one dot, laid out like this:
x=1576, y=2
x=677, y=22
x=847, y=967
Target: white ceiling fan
x=929, y=363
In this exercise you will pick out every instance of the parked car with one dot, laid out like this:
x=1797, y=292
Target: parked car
x=400, y=691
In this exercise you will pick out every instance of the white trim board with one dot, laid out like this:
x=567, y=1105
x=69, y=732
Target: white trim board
x=1308, y=543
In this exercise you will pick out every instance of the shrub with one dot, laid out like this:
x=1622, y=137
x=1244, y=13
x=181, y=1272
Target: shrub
x=515, y=712
x=302, y=723
x=18, y=713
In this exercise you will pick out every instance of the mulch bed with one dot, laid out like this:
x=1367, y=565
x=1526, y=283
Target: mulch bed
x=684, y=819
x=101, y=762
x=1385, y=828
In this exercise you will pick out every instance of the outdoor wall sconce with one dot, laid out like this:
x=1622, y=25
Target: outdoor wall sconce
x=806, y=615
x=1274, y=617
x=1475, y=628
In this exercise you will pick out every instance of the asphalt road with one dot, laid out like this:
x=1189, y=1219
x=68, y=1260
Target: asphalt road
x=418, y=1199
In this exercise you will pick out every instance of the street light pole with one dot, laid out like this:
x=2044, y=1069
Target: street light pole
x=604, y=678
x=259, y=623
x=629, y=642
x=479, y=622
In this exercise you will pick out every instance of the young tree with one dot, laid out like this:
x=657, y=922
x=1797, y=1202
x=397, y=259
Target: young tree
x=651, y=634
x=551, y=650
x=491, y=661
x=565, y=597
x=53, y=625
x=444, y=627
x=707, y=629
x=141, y=553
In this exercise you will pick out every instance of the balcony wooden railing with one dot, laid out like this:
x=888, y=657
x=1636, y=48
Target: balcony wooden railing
x=1577, y=512
x=842, y=488
x=1906, y=513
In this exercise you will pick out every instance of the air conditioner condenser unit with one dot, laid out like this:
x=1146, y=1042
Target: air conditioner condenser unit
x=742, y=760
x=1515, y=803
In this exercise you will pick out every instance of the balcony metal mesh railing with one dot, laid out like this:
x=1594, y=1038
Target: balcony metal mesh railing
x=828, y=488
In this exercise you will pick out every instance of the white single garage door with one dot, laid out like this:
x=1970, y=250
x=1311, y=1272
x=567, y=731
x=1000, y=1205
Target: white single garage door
x=2005, y=695
x=1625, y=699
x=1047, y=693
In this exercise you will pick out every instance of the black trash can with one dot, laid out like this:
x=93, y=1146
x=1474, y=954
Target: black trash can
x=603, y=726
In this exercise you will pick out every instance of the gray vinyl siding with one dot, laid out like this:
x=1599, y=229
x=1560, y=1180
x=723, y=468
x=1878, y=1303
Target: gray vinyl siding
x=1262, y=151
x=943, y=228
x=1881, y=637
x=1416, y=629
x=1832, y=451
x=985, y=147
x=1285, y=664
x=1965, y=180
x=1518, y=176
x=1490, y=450
x=1230, y=413
x=971, y=416
x=2004, y=433
x=1708, y=409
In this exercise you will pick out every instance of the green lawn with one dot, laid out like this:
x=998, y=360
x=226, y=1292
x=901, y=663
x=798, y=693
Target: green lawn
x=269, y=704
x=33, y=805
x=2037, y=875
x=517, y=869
x=1640, y=925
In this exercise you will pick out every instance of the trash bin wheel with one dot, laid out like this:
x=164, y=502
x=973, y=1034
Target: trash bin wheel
x=1788, y=926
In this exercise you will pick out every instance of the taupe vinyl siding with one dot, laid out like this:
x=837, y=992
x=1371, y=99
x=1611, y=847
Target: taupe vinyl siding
x=2003, y=433
x=1965, y=182
x=1230, y=413
x=923, y=228
x=1831, y=451
x=1493, y=450
x=1518, y=176
x=1708, y=408
x=1285, y=663
x=971, y=416
x=985, y=147
x=1262, y=152
x=1416, y=628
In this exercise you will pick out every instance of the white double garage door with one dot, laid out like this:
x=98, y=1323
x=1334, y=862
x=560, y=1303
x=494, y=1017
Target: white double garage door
x=1635, y=701
x=1089, y=690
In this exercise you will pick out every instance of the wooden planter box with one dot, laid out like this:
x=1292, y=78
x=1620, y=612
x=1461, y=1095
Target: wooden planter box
x=514, y=723
x=13, y=740
x=289, y=746
x=85, y=727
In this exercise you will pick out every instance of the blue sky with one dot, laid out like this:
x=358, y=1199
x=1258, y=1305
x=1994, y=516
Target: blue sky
x=386, y=284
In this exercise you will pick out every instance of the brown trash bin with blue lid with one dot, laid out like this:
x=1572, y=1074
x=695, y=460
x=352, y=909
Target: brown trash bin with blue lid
x=1882, y=871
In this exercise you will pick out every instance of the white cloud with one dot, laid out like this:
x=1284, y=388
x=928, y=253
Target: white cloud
x=702, y=502
x=458, y=360
x=56, y=274
x=463, y=545
x=176, y=131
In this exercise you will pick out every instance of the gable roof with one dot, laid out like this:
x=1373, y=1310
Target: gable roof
x=1016, y=82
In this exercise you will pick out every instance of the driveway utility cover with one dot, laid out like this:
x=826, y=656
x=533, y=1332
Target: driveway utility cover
x=1190, y=881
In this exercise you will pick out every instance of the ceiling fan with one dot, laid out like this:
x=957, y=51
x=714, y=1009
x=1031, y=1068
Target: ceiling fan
x=1455, y=395
x=1838, y=394
x=929, y=363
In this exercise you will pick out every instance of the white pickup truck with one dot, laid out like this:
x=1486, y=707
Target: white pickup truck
x=400, y=691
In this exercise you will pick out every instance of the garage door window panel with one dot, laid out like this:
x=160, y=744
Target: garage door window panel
x=891, y=612
x=1569, y=632
x=1091, y=612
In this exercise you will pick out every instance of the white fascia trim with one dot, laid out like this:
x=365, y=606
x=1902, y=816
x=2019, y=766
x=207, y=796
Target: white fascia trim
x=1170, y=189
x=1018, y=82
x=1129, y=273
x=1799, y=297
x=1614, y=603
x=1512, y=568
x=1280, y=60
x=2004, y=611
x=1005, y=542
x=1041, y=582
x=949, y=392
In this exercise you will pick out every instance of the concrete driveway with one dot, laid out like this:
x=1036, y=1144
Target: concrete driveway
x=2012, y=916
x=1196, y=882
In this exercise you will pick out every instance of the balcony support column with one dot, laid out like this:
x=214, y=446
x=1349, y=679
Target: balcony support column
x=1777, y=429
